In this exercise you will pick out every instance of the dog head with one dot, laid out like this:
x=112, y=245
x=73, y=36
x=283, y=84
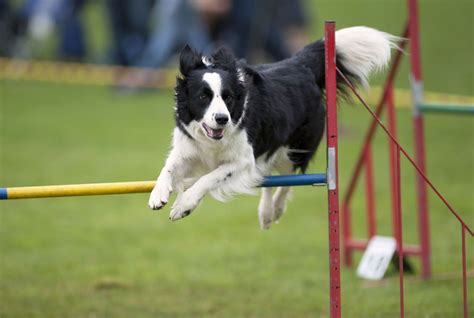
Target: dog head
x=210, y=95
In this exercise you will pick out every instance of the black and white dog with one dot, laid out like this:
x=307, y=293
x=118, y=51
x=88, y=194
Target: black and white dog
x=236, y=123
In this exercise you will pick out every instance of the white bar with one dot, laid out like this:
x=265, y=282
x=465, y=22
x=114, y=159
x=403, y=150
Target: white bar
x=331, y=168
x=417, y=94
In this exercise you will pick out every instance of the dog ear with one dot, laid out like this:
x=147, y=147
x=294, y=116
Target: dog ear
x=189, y=60
x=223, y=58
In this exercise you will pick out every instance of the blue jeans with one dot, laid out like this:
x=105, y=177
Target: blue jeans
x=177, y=24
x=129, y=22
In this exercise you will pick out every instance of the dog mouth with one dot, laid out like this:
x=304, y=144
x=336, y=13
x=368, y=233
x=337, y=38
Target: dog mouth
x=213, y=133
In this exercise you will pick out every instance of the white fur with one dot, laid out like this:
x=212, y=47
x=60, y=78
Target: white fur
x=265, y=209
x=217, y=105
x=365, y=50
x=240, y=74
x=284, y=166
x=221, y=168
x=206, y=61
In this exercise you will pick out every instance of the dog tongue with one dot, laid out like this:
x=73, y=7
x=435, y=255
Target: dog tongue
x=216, y=132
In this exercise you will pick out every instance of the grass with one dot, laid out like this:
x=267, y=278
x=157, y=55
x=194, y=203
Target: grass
x=111, y=257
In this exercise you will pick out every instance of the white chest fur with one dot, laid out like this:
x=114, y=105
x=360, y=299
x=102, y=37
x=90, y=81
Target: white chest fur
x=209, y=153
x=232, y=154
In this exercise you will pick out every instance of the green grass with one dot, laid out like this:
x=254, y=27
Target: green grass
x=111, y=257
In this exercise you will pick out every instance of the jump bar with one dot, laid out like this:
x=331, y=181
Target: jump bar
x=136, y=187
x=295, y=180
x=446, y=108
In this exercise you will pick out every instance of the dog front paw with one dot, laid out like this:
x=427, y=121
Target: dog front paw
x=159, y=195
x=184, y=205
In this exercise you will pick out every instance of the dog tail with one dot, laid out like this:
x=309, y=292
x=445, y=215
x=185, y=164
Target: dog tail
x=360, y=51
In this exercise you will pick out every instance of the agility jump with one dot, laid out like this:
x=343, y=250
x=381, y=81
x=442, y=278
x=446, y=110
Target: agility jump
x=365, y=164
x=72, y=190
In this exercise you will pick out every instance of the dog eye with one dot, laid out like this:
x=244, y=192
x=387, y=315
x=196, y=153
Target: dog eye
x=204, y=97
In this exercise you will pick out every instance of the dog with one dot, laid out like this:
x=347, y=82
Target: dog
x=236, y=123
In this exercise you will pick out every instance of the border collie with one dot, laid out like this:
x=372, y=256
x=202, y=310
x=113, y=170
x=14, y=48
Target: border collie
x=236, y=123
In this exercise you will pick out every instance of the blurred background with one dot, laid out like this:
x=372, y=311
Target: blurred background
x=86, y=96
x=150, y=33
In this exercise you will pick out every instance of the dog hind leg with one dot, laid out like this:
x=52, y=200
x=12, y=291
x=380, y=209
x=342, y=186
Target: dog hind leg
x=279, y=202
x=284, y=166
x=265, y=209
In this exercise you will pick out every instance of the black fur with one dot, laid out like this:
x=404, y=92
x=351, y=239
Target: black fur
x=285, y=99
x=193, y=95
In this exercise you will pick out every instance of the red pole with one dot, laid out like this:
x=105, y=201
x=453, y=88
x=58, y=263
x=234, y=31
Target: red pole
x=369, y=192
x=392, y=127
x=332, y=170
x=399, y=233
x=419, y=139
x=464, y=274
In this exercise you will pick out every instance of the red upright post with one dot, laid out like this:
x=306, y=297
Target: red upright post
x=399, y=227
x=369, y=193
x=464, y=275
x=392, y=127
x=417, y=91
x=332, y=170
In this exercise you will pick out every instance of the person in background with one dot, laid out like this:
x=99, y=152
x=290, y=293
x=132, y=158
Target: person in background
x=129, y=22
x=12, y=28
x=252, y=29
x=292, y=21
x=245, y=26
x=177, y=23
x=37, y=20
x=72, y=44
x=180, y=22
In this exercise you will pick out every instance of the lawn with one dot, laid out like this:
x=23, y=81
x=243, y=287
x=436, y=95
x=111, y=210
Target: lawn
x=112, y=257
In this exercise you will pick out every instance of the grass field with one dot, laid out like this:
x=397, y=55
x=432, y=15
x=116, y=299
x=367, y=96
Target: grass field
x=112, y=257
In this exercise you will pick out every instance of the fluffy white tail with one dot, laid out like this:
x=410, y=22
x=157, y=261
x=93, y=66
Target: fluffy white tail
x=364, y=50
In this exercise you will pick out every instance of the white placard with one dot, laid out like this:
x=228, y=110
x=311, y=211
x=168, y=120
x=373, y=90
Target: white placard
x=376, y=258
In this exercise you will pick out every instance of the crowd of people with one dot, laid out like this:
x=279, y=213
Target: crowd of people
x=147, y=33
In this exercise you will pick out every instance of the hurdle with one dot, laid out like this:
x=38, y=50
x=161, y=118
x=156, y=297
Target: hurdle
x=365, y=163
x=71, y=190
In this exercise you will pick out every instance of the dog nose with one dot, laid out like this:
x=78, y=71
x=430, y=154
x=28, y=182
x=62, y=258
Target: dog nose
x=221, y=119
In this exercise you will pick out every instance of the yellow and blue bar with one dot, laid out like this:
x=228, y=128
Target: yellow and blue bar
x=71, y=190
